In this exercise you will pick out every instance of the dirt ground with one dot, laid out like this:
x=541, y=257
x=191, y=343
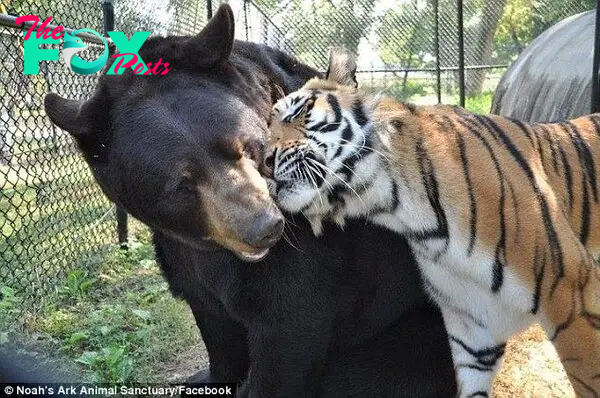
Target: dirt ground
x=192, y=361
x=531, y=368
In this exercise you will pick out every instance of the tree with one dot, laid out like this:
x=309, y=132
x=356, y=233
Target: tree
x=312, y=27
x=405, y=35
x=524, y=20
x=480, y=31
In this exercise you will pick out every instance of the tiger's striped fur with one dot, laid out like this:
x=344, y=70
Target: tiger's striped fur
x=503, y=216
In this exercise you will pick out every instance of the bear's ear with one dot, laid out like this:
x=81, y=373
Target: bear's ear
x=80, y=118
x=214, y=43
x=342, y=67
x=65, y=113
x=85, y=120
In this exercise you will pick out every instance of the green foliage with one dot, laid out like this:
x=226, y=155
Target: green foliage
x=58, y=323
x=118, y=321
x=402, y=90
x=8, y=300
x=48, y=209
x=111, y=364
x=315, y=26
x=77, y=284
x=402, y=33
x=405, y=35
x=481, y=103
x=524, y=20
x=515, y=30
x=9, y=308
x=548, y=12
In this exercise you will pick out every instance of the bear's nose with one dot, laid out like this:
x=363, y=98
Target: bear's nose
x=266, y=229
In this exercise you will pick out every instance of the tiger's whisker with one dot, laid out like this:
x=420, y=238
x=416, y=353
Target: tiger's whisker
x=313, y=182
x=330, y=187
x=362, y=182
x=354, y=145
x=288, y=240
x=333, y=173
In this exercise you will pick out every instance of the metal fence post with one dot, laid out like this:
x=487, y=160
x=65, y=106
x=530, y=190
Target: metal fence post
x=596, y=64
x=6, y=144
x=108, y=16
x=208, y=9
x=246, y=18
x=461, y=52
x=438, y=72
x=122, y=227
x=108, y=24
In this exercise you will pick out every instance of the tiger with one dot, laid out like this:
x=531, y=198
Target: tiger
x=502, y=216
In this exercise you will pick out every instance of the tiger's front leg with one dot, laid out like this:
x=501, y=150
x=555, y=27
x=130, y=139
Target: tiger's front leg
x=570, y=302
x=477, y=355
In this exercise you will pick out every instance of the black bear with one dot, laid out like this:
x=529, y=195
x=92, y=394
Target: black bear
x=343, y=315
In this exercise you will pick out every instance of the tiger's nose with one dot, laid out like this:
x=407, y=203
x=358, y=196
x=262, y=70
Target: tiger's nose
x=267, y=169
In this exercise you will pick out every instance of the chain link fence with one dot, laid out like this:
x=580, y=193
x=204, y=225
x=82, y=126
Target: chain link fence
x=54, y=219
x=404, y=46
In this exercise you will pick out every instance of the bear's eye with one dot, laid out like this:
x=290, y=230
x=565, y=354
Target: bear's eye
x=270, y=119
x=253, y=150
x=231, y=149
x=186, y=187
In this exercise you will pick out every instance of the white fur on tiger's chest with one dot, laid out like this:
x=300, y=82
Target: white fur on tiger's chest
x=501, y=313
x=455, y=277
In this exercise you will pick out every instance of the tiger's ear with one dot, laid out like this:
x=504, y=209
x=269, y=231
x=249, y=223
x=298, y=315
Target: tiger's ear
x=342, y=67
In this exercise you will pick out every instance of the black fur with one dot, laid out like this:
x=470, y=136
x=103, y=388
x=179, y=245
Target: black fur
x=346, y=322
x=339, y=316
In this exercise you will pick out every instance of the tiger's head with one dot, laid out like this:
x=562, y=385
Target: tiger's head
x=319, y=134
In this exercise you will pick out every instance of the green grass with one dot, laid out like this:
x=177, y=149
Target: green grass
x=117, y=322
x=65, y=283
x=53, y=219
x=422, y=91
x=414, y=88
x=481, y=103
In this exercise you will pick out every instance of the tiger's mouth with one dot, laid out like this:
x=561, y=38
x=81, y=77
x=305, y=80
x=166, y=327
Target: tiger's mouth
x=267, y=171
x=298, y=164
x=298, y=175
